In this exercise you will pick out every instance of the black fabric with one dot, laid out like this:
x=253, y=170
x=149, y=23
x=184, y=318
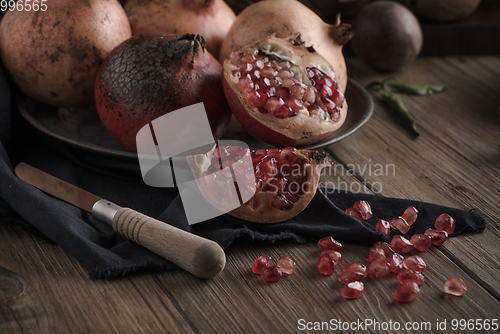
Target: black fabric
x=106, y=254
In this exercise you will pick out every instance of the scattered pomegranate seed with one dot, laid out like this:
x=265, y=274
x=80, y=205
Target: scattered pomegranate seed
x=358, y=267
x=415, y=263
x=271, y=274
x=410, y=215
x=351, y=276
x=421, y=242
x=388, y=250
x=445, y=223
x=375, y=253
x=437, y=237
x=395, y=262
x=379, y=268
x=353, y=290
x=364, y=208
x=260, y=264
x=383, y=226
x=455, y=286
x=330, y=243
x=287, y=265
x=334, y=255
x=400, y=224
x=408, y=275
x=355, y=213
x=407, y=292
x=401, y=244
x=326, y=265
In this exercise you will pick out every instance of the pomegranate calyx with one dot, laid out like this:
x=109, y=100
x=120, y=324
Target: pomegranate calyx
x=340, y=32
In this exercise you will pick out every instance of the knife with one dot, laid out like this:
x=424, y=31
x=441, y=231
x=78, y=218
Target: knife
x=199, y=256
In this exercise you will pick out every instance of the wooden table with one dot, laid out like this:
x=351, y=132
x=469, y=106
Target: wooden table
x=455, y=162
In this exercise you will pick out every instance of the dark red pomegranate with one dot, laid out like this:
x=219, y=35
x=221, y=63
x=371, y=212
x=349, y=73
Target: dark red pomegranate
x=284, y=93
x=285, y=180
x=148, y=76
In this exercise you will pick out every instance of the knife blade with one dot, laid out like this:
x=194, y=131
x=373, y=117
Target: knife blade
x=201, y=257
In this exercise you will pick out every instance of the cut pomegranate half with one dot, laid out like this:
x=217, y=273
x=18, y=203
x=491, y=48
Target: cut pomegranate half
x=273, y=185
x=284, y=93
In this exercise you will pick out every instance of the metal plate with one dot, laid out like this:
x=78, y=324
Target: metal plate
x=82, y=128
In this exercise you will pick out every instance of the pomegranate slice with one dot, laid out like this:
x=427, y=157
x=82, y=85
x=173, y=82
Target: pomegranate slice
x=284, y=93
x=285, y=180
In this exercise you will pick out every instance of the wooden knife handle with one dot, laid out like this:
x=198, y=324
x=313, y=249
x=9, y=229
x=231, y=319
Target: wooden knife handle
x=199, y=256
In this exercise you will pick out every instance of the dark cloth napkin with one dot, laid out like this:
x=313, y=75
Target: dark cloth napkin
x=106, y=254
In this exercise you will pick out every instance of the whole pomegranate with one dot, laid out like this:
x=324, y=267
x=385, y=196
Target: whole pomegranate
x=209, y=18
x=284, y=93
x=285, y=180
x=53, y=55
x=148, y=76
x=387, y=35
x=283, y=17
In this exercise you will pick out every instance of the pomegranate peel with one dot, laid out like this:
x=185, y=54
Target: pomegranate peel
x=296, y=102
x=276, y=196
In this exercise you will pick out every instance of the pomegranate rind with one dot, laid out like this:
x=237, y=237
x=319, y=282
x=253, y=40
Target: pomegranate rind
x=299, y=130
x=314, y=162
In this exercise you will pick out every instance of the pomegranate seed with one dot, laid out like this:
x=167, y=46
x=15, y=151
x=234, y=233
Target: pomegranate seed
x=395, y=262
x=273, y=104
x=355, y=213
x=285, y=74
x=268, y=72
x=375, y=254
x=283, y=92
x=400, y=224
x=383, y=226
x=326, y=265
x=259, y=64
x=410, y=215
x=287, y=265
x=388, y=250
x=234, y=58
x=295, y=105
x=445, y=223
x=271, y=274
x=260, y=264
x=365, y=209
x=353, y=290
x=407, y=275
x=280, y=202
x=330, y=243
x=357, y=267
x=336, y=256
x=455, y=286
x=292, y=197
x=284, y=112
x=248, y=58
x=297, y=91
x=407, y=292
x=437, y=237
x=378, y=268
x=415, y=263
x=329, y=105
x=335, y=116
x=401, y=244
x=351, y=276
x=421, y=242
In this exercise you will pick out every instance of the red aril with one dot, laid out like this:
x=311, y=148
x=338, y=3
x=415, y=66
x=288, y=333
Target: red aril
x=407, y=292
x=445, y=223
x=421, y=242
x=401, y=244
x=410, y=215
x=455, y=286
x=400, y=224
x=388, y=250
x=407, y=275
x=287, y=265
x=437, y=237
x=395, y=262
x=415, y=263
x=364, y=208
x=384, y=227
x=375, y=253
x=283, y=93
x=379, y=268
x=351, y=276
x=353, y=290
x=326, y=265
x=357, y=267
x=336, y=256
x=271, y=274
x=260, y=264
x=330, y=243
x=355, y=213
x=285, y=180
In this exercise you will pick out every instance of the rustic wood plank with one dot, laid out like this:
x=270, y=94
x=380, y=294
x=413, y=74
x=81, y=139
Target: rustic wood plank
x=56, y=295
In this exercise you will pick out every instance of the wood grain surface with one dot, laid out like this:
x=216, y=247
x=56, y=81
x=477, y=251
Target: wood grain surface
x=454, y=162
